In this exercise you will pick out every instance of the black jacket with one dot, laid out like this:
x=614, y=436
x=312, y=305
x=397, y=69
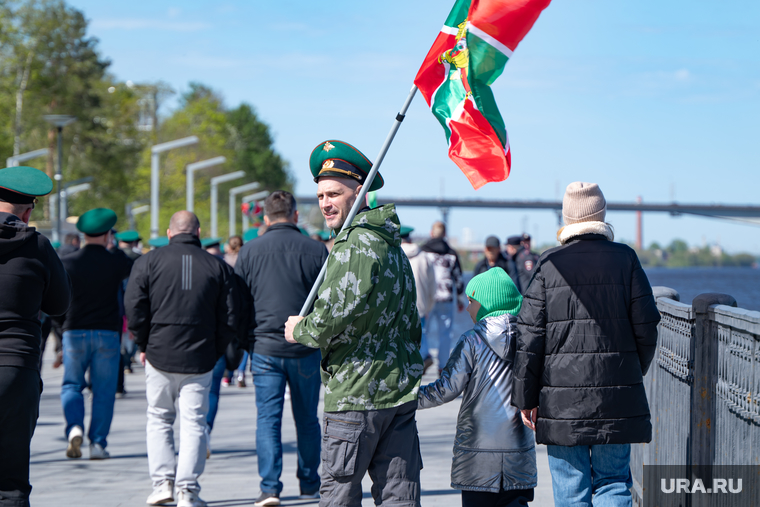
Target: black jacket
x=587, y=333
x=32, y=279
x=279, y=269
x=525, y=262
x=96, y=278
x=182, y=306
x=508, y=265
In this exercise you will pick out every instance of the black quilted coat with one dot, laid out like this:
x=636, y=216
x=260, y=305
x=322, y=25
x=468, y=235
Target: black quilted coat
x=587, y=333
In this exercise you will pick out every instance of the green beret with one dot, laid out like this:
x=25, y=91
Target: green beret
x=128, y=236
x=158, y=242
x=97, y=222
x=324, y=235
x=20, y=185
x=250, y=234
x=405, y=230
x=56, y=244
x=209, y=242
x=339, y=159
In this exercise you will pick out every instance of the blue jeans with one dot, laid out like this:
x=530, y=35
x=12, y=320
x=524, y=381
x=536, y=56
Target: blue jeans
x=99, y=351
x=270, y=374
x=598, y=475
x=443, y=316
x=213, y=395
x=424, y=351
x=241, y=367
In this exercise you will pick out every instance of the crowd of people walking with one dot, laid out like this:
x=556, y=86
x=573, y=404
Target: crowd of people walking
x=557, y=353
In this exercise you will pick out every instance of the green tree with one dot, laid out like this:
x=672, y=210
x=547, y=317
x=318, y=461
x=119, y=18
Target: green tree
x=251, y=142
x=678, y=246
x=51, y=66
x=235, y=134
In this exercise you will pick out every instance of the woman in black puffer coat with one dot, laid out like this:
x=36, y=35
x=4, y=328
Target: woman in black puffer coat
x=587, y=333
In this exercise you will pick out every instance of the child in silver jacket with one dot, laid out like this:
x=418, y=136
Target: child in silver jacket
x=494, y=452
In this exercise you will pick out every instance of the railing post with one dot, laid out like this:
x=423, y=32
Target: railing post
x=703, y=393
x=665, y=292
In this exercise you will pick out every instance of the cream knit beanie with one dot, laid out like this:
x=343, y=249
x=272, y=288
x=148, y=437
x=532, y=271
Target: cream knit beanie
x=583, y=202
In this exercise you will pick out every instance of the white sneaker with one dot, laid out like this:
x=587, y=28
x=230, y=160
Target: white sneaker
x=187, y=498
x=75, y=442
x=162, y=494
x=97, y=452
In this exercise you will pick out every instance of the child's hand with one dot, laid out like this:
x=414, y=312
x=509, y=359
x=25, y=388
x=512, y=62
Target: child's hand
x=529, y=418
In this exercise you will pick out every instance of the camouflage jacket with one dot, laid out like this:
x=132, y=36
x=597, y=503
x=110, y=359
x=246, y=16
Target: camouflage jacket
x=365, y=319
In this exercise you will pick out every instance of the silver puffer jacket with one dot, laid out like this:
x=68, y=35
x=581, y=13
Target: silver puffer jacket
x=493, y=450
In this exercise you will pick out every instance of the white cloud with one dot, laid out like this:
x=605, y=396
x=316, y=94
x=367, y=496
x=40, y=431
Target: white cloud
x=682, y=75
x=174, y=12
x=152, y=24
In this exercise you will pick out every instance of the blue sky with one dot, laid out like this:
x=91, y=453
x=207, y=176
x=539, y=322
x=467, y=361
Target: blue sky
x=648, y=98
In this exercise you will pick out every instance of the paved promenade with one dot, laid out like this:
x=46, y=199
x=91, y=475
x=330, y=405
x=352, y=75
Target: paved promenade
x=231, y=477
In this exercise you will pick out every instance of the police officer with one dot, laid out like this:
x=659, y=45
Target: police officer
x=526, y=262
x=494, y=258
x=92, y=332
x=32, y=280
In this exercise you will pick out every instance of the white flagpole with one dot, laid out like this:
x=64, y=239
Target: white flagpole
x=359, y=203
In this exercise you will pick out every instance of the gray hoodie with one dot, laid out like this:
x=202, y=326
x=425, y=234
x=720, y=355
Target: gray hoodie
x=493, y=450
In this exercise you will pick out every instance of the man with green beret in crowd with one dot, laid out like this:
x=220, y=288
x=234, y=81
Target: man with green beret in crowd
x=366, y=324
x=33, y=280
x=128, y=243
x=92, y=332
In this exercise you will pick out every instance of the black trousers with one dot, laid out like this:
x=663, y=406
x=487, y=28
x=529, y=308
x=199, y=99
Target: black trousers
x=511, y=498
x=20, y=390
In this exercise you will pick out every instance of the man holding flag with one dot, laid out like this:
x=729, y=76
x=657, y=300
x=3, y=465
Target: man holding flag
x=366, y=324
x=365, y=320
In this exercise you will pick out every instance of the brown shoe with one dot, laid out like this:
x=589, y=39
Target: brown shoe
x=241, y=382
x=58, y=360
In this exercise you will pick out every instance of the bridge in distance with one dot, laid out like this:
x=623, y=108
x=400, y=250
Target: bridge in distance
x=739, y=212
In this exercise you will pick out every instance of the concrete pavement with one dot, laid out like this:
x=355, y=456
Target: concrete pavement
x=231, y=477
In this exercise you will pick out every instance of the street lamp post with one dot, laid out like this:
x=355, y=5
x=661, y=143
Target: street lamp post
x=233, y=194
x=190, y=185
x=23, y=157
x=131, y=210
x=155, y=152
x=138, y=210
x=70, y=190
x=59, y=121
x=252, y=198
x=215, y=181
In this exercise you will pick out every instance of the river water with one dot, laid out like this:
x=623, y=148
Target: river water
x=741, y=283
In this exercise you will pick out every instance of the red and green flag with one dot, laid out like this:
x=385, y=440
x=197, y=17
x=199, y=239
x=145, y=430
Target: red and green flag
x=468, y=55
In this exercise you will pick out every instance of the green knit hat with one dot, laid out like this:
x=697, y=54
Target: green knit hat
x=496, y=293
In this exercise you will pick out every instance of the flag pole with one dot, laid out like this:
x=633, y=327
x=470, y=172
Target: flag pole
x=359, y=202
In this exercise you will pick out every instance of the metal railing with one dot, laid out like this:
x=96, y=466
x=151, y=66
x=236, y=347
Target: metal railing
x=703, y=386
